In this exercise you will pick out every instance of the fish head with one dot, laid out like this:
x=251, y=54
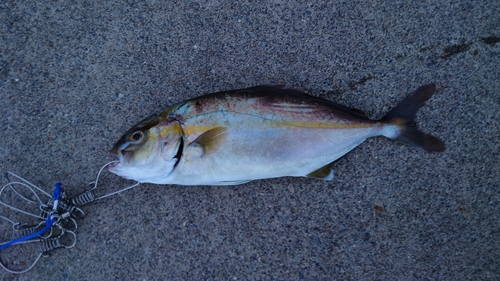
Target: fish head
x=149, y=151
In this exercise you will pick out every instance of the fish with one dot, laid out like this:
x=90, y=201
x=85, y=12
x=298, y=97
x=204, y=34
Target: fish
x=233, y=137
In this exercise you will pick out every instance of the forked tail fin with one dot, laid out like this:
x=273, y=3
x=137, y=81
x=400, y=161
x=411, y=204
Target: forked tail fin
x=403, y=116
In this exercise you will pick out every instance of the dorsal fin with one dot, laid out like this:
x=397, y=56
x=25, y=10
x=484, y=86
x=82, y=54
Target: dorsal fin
x=281, y=90
x=351, y=110
x=277, y=89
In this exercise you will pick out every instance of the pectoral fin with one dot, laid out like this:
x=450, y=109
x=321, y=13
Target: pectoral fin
x=211, y=140
x=325, y=172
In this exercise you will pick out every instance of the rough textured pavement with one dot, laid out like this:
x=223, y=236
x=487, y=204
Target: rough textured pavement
x=75, y=76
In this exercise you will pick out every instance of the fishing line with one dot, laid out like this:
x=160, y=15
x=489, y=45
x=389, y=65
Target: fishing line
x=115, y=192
x=59, y=212
x=89, y=196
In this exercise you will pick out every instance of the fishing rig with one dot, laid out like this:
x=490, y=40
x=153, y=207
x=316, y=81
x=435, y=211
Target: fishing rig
x=40, y=222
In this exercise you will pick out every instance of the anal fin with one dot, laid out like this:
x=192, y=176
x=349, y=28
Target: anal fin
x=325, y=172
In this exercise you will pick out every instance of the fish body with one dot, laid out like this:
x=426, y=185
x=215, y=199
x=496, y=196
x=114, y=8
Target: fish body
x=261, y=132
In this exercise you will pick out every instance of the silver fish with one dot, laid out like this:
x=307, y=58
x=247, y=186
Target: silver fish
x=233, y=137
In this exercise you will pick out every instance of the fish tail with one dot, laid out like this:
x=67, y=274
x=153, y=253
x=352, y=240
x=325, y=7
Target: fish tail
x=401, y=125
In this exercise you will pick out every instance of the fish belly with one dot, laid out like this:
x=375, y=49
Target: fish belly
x=258, y=153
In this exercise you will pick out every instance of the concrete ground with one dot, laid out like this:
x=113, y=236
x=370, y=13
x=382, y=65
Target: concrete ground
x=75, y=75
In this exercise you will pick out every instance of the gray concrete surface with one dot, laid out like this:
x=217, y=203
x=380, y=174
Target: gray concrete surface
x=75, y=76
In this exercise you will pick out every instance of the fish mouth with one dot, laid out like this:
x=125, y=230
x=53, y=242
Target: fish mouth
x=124, y=157
x=113, y=165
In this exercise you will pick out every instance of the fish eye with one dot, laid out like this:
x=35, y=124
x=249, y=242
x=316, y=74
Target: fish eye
x=137, y=136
